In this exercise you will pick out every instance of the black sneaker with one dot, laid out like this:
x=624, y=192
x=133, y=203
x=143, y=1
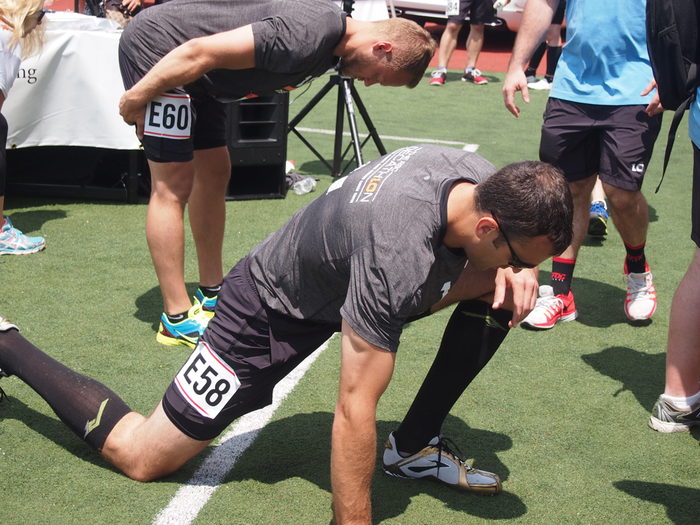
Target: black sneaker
x=666, y=418
x=439, y=463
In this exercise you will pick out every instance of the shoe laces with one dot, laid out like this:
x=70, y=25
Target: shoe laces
x=437, y=73
x=549, y=302
x=599, y=208
x=639, y=287
x=474, y=73
x=442, y=447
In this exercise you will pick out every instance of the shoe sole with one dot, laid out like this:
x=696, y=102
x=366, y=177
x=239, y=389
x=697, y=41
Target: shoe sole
x=473, y=82
x=173, y=341
x=597, y=227
x=21, y=252
x=562, y=319
x=486, y=491
x=666, y=427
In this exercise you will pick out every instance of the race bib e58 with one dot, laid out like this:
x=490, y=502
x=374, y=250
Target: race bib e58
x=206, y=381
x=169, y=116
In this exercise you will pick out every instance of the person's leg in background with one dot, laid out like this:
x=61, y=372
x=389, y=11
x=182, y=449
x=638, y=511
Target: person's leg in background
x=678, y=408
x=448, y=44
x=12, y=241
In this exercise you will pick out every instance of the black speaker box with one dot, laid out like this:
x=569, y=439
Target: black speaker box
x=257, y=143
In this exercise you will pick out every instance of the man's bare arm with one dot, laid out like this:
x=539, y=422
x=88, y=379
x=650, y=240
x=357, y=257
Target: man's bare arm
x=537, y=18
x=365, y=372
x=186, y=63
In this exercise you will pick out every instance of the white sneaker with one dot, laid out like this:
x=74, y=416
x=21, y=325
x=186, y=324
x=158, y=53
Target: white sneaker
x=551, y=309
x=541, y=85
x=439, y=463
x=641, y=295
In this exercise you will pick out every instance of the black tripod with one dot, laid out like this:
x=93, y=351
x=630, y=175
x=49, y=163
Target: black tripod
x=346, y=95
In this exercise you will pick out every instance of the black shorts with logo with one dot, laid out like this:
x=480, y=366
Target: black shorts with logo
x=614, y=141
x=208, y=123
x=478, y=11
x=261, y=345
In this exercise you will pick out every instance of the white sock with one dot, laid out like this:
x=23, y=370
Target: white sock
x=682, y=403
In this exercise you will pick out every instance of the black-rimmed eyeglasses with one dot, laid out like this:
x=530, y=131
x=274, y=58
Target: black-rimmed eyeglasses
x=516, y=262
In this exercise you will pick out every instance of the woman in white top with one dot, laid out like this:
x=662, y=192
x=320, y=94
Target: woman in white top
x=21, y=36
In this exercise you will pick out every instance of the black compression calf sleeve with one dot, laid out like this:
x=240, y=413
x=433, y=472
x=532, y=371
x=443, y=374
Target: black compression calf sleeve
x=553, y=54
x=87, y=407
x=471, y=338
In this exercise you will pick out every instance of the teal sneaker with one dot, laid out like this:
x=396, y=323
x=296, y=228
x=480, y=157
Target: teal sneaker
x=14, y=242
x=185, y=332
x=207, y=303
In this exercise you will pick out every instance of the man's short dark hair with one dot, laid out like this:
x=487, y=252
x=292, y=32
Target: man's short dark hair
x=530, y=199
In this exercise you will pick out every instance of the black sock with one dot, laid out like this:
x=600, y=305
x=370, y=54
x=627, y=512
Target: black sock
x=636, y=260
x=210, y=291
x=87, y=407
x=471, y=337
x=177, y=317
x=562, y=273
x=537, y=57
x=553, y=54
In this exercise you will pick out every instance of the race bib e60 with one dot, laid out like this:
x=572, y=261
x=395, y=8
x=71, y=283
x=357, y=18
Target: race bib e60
x=206, y=381
x=169, y=116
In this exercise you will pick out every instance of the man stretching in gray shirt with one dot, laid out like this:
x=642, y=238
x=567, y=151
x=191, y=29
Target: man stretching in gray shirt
x=403, y=236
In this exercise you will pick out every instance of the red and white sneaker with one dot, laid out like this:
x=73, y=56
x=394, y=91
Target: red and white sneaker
x=474, y=76
x=640, y=303
x=438, y=77
x=550, y=309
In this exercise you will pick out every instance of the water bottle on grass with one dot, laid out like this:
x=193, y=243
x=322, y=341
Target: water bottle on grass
x=303, y=186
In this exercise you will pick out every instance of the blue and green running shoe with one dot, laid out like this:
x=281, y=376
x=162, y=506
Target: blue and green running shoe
x=185, y=332
x=14, y=242
x=598, y=222
x=207, y=303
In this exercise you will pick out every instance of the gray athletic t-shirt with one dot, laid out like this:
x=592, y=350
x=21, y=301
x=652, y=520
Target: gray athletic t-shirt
x=294, y=41
x=369, y=250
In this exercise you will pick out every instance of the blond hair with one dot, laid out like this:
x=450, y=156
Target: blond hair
x=413, y=47
x=14, y=14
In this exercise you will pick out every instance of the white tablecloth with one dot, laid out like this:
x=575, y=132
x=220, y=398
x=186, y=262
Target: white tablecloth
x=69, y=95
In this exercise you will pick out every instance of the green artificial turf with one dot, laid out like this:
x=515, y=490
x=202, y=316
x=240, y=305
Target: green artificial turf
x=560, y=415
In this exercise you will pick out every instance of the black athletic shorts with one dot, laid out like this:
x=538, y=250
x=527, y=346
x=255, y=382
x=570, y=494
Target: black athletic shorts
x=695, y=235
x=478, y=11
x=614, y=141
x=260, y=345
x=208, y=123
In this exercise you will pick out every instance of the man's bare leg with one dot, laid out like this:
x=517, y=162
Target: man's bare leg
x=207, y=211
x=171, y=184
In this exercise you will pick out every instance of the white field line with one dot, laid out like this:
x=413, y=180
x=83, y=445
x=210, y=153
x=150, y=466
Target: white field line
x=192, y=497
x=465, y=146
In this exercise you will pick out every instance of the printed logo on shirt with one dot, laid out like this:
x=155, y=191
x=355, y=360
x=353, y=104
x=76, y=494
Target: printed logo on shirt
x=638, y=168
x=369, y=186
